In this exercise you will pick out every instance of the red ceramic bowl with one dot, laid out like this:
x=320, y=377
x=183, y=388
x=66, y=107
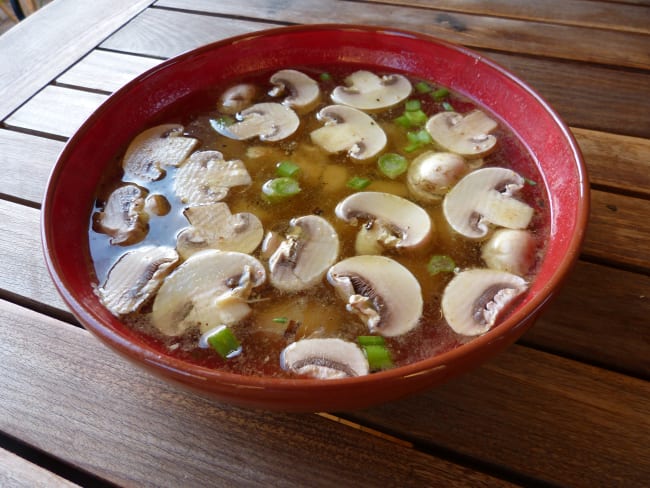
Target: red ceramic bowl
x=70, y=195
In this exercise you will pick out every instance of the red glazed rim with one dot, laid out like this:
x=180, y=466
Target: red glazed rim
x=567, y=187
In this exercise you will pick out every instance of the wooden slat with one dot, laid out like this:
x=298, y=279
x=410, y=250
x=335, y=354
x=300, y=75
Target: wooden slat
x=546, y=417
x=600, y=316
x=105, y=70
x=26, y=162
x=619, y=230
x=101, y=414
x=28, y=65
x=56, y=110
x=602, y=15
x=16, y=472
x=536, y=38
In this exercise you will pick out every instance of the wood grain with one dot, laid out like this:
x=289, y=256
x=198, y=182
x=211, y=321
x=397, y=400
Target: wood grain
x=28, y=65
x=103, y=415
x=15, y=472
x=509, y=35
x=557, y=420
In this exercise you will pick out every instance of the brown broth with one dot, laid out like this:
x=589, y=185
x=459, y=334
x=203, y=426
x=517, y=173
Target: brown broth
x=316, y=312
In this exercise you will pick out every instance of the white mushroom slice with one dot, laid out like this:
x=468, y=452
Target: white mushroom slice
x=135, y=277
x=483, y=197
x=237, y=98
x=367, y=91
x=380, y=291
x=393, y=221
x=467, y=135
x=214, y=227
x=206, y=177
x=150, y=151
x=349, y=129
x=268, y=121
x=303, y=92
x=432, y=174
x=211, y=288
x=510, y=250
x=329, y=358
x=124, y=217
x=301, y=260
x=474, y=299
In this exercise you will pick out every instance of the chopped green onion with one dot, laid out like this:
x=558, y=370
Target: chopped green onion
x=224, y=342
x=417, y=140
x=403, y=120
x=358, y=183
x=325, y=77
x=530, y=182
x=392, y=165
x=280, y=320
x=412, y=105
x=439, y=94
x=222, y=122
x=280, y=188
x=440, y=264
x=416, y=117
x=423, y=87
x=371, y=340
x=448, y=106
x=287, y=168
x=378, y=357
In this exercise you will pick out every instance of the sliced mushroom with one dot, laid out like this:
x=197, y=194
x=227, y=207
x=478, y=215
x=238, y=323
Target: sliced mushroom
x=510, y=250
x=474, y=299
x=214, y=227
x=237, y=98
x=432, y=174
x=150, y=151
x=329, y=358
x=483, y=197
x=392, y=221
x=349, y=129
x=301, y=260
x=367, y=91
x=135, y=277
x=124, y=217
x=467, y=135
x=211, y=288
x=380, y=291
x=157, y=204
x=303, y=92
x=268, y=121
x=206, y=177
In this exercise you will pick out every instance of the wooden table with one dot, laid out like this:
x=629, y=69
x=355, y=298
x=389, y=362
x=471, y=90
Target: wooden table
x=568, y=405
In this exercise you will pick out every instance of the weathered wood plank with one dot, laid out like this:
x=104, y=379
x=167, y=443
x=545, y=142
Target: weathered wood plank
x=509, y=35
x=101, y=414
x=56, y=110
x=66, y=30
x=553, y=419
x=16, y=472
x=105, y=70
x=602, y=15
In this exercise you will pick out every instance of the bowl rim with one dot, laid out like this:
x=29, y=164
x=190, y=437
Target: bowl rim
x=506, y=331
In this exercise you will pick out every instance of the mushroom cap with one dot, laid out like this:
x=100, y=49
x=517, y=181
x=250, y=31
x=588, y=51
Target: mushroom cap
x=485, y=196
x=268, y=121
x=467, y=135
x=210, y=288
x=206, y=177
x=403, y=223
x=303, y=92
x=328, y=358
x=349, y=129
x=432, y=174
x=135, y=277
x=213, y=226
x=474, y=299
x=151, y=150
x=237, y=98
x=511, y=250
x=367, y=91
x=380, y=291
x=301, y=260
x=124, y=216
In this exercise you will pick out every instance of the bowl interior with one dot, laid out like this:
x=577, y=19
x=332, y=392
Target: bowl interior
x=146, y=100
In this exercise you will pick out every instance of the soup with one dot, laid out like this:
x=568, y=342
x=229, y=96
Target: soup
x=318, y=223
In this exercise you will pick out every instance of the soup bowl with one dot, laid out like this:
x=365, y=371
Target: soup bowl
x=152, y=96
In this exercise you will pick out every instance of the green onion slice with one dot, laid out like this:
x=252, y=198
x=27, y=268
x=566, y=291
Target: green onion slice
x=325, y=77
x=222, y=122
x=403, y=121
x=439, y=94
x=392, y=165
x=280, y=188
x=412, y=105
x=416, y=117
x=378, y=357
x=287, y=168
x=448, y=106
x=371, y=340
x=280, y=320
x=223, y=341
x=440, y=264
x=423, y=87
x=417, y=140
x=358, y=183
